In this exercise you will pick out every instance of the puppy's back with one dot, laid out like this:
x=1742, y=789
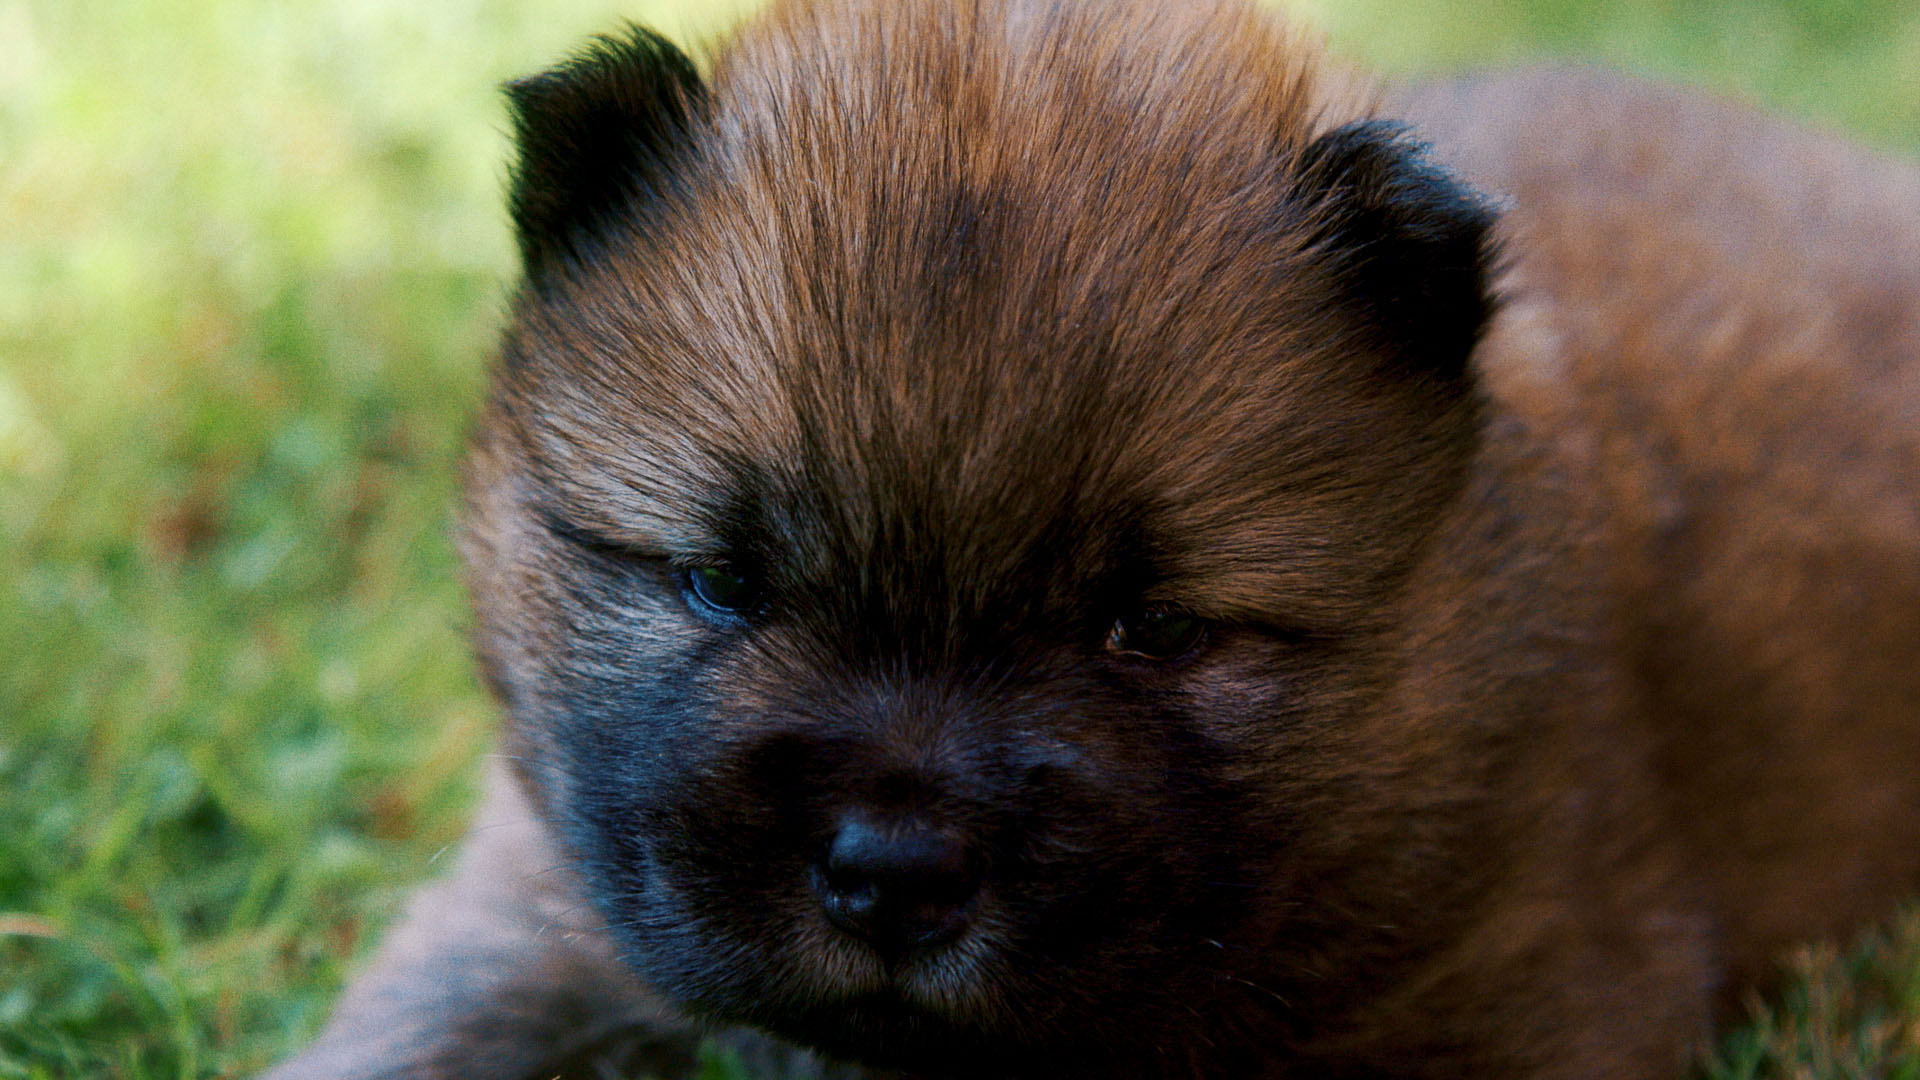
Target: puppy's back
x=1735, y=307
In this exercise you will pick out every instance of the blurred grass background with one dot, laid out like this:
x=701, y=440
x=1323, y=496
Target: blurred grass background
x=252, y=258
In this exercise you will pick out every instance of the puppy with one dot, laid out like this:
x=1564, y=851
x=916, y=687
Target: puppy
x=1034, y=538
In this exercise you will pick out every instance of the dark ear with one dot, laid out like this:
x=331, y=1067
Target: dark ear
x=1407, y=241
x=597, y=136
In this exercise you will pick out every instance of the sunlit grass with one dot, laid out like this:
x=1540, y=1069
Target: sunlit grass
x=252, y=257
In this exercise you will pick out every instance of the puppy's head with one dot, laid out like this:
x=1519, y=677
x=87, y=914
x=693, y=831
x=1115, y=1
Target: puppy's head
x=948, y=477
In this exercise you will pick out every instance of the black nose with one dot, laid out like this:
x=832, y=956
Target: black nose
x=898, y=885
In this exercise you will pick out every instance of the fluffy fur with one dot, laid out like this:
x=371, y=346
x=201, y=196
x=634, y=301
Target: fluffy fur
x=1560, y=574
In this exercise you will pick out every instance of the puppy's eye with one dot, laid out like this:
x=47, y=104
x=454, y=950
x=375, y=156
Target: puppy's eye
x=1157, y=635
x=723, y=589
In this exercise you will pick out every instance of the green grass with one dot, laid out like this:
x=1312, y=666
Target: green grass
x=252, y=258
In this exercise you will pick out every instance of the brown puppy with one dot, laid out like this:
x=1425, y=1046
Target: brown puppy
x=1034, y=538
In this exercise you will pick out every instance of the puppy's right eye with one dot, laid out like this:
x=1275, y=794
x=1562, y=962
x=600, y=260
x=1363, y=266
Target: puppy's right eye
x=723, y=589
x=1157, y=635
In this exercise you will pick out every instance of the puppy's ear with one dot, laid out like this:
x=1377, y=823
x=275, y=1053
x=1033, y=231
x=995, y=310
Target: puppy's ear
x=598, y=137
x=1406, y=241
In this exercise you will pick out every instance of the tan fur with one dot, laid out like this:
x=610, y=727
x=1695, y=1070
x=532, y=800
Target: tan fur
x=1737, y=308
x=1610, y=683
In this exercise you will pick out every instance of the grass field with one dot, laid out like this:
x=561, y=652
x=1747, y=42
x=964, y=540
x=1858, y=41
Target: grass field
x=251, y=260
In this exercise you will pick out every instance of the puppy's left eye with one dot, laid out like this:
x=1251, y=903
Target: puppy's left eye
x=1157, y=635
x=723, y=588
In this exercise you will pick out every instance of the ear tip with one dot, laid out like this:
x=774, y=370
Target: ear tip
x=635, y=54
x=639, y=48
x=1391, y=153
x=526, y=93
x=595, y=134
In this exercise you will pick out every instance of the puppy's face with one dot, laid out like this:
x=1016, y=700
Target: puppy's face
x=938, y=516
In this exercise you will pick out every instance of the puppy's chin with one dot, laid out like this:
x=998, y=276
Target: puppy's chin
x=889, y=1030
x=927, y=1012
x=927, y=1009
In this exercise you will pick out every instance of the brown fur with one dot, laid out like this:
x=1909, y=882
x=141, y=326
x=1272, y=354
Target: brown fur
x=1543, y=703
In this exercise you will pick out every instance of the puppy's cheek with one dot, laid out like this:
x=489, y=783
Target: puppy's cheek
x=1257, y=701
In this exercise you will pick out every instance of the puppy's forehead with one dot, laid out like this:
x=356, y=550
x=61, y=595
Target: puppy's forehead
x=922, y=277
x=913, y=195
x=931, y=228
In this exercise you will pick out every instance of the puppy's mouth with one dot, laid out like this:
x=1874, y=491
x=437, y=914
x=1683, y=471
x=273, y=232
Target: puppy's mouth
x=882, y=915
x=900, y=986
x=907, y=917
x=1014, y=897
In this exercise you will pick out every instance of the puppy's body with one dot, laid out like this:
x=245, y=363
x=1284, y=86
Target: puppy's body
x=1540, y=698
x=1737, y=379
